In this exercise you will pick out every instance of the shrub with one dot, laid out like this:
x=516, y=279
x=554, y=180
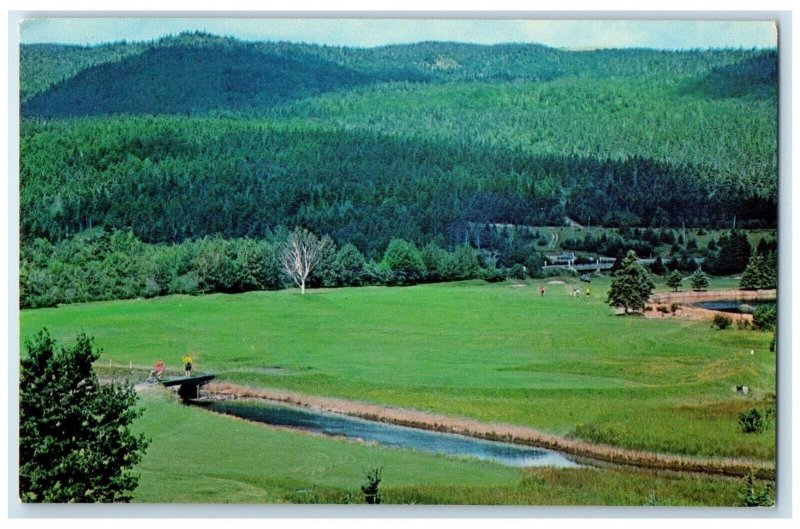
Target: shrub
x=674, y=307
x=555, y=272
x=517, y=272
x=721, y=321
x=663, y=309
x=377, y=274
x=764, y=317
x=753, y=497
x=743, y=324
x=752, y=421
x=651, y=500
x=151, y=288
x=372, y=479
x=188, y=283
x=492, y=275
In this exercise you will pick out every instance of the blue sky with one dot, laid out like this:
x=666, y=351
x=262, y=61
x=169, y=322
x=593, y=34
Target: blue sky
x=374, y=32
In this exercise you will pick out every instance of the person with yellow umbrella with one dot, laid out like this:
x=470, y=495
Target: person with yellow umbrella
x=187, y=364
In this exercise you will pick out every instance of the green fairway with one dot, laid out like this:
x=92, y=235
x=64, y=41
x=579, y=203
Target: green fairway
x=490, y=352
x=198, y=457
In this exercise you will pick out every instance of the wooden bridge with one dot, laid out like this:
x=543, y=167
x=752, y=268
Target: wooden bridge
x=188, y=387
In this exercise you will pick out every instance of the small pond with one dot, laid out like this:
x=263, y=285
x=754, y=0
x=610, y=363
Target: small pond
x=733, y=306
x=334, y=424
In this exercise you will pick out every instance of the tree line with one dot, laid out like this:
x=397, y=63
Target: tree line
x=101, y=264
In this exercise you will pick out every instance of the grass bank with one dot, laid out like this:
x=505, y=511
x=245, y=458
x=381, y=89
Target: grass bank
x=505, y=433
x=198, y=457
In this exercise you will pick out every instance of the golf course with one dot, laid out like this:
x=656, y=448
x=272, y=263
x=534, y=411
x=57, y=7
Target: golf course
x=451, y=268
x=498, y=353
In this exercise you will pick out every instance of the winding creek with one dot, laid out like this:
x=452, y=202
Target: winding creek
x=338, y=425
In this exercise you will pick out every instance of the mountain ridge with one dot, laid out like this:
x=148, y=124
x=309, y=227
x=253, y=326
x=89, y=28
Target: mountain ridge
x=78, y=74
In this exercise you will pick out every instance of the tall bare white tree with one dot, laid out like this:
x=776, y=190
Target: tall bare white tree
x=301, y=254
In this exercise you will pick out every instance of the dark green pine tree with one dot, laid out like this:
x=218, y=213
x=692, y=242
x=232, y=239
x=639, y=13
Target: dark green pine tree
x=270, y=272
x=755, y=274
x=618, y=262
x=75, y=444
x=734, y=253
x=631, y=285
x=771, y=271
x=658, y=267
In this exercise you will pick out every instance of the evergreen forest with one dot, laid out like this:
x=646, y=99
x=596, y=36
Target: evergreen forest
x=170, y=158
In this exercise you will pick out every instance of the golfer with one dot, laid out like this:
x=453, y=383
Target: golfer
x=187, y=364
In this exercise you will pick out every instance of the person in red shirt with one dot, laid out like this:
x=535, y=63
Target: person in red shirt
x=158, y=370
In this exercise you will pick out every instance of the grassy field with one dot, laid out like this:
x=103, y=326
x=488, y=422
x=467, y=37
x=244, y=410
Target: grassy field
x=489, y=352
x=188, y=463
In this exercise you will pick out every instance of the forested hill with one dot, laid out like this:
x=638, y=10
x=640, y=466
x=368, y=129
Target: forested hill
x=197, y=135
x=200, y=73
x=178, y=77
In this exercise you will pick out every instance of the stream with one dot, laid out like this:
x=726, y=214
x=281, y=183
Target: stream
x=338, y=425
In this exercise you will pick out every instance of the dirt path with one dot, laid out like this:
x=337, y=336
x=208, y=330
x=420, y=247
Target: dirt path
x=504, y=432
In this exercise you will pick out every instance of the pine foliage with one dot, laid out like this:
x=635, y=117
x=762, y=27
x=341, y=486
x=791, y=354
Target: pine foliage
x=631, y=286
x=75, y=442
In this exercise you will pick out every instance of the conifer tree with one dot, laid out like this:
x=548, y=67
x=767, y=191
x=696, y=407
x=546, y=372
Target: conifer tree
x=699, y=281
x=631, y=286
x=75, y=443
x=658, y=267
x=734, y=253
x=754, y=275
x=674, y=280
x=771, y=271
